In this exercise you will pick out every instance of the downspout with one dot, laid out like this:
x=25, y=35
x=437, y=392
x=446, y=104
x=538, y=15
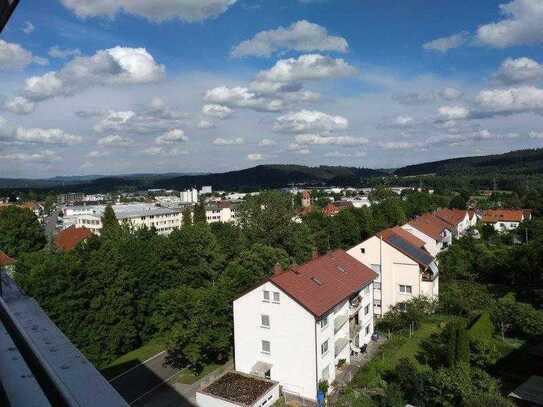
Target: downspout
x=316, y=363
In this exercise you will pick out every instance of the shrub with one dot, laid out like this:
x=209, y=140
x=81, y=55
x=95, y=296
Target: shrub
x=482, y=329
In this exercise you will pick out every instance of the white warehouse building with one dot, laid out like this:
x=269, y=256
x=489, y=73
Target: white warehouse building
x=296, y=327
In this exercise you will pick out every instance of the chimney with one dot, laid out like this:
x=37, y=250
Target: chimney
x=277, y=269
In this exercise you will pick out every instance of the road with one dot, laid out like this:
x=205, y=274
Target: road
x=142, y=380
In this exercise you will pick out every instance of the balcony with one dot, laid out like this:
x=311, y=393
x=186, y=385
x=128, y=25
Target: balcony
x=354, y=328
x=340, y=345
x=339, y=322
x=355, y=305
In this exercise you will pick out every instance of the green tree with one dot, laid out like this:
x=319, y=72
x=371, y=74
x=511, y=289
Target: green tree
x=187, y=216
x=20, y=231
x=458, y=202
x=200, y=213
x=109, y=220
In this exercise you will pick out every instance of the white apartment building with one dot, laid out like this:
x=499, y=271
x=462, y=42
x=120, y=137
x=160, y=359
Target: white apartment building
x=222, y=211
x=295, y=327
x=189, y=196
x=436, y=233
x=164, y=220
x=405, y=268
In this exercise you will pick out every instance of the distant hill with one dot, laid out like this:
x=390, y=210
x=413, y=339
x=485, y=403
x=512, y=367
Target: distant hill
x=521, y=162
x=262, y=176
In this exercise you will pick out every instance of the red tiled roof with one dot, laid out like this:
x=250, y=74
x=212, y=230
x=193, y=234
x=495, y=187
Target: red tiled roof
x=503, y=215
x=306, y=195
x=5, y=260
x=330, y=210
x=451, y=216
x=68, y=239
x=324, y=282
x=430, y=225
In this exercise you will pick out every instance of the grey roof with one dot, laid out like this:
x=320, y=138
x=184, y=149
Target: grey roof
x=76, y=379
x=531, y=390
x=419, y=255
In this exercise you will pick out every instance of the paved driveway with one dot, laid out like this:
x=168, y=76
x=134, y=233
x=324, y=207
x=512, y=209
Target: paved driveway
x=143, y=379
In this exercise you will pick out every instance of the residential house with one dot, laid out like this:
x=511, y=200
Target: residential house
x=459, y=220
x=436, y=233
x=505, y=219
x=68, y=239
x=296, y=326
x=7, y=263
x=405, y=268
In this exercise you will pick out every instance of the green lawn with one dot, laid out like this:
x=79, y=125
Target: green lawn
x=133, y=358
x=398, y=347
x=187, y=376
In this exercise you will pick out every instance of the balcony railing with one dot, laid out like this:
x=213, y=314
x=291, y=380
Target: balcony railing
x=340, y=345
x=354, y=328
x=339, y=322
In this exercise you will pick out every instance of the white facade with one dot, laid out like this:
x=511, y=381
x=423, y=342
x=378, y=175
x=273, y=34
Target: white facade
x=189, y=196
x=400, y=277
x=137, y=215
x=430, y=244
x=299, y=349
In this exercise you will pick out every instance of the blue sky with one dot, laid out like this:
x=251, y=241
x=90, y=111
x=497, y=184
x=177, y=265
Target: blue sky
x=120, y=86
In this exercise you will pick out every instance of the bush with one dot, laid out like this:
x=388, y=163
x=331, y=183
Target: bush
x=482, y=329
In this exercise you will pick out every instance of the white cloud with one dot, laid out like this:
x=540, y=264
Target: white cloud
x=255, y=157
x=63, y=53
x=114, y=66
x=13, y=56
x=218, y=111
x=156, y=10
x=28, y=28
x=165, y=152
x=19, y=105
x=450, y=94
x=520, y=70
x=521, y=25
x=227, y=142
x=98, y=154
x=446, y=43
x=265, y=142
x=115, y=141
x=454, y=112
x=309, y=121
x=342, y=154
x=462, y=138
x=301, y=36
x=45, y=156
x=536, y=135
x=512, y=100
x=155, y=118
x=315, y=139
x=306, y=67
x=172, y=137
x=205, y=124
x=403, y=121
x=243, y=98
x=47, y=136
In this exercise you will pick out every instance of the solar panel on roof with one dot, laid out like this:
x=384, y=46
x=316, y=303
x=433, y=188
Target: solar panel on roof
x=415, y=253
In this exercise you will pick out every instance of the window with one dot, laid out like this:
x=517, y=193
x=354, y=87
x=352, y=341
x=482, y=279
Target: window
x=362, y=250
x=403, y=306
x=366, y=290
x=377, y=285
x=368, y=329
x=265, y=321
x=366, y=310
x=376, y=303
x=324, y=322
x=266, y=296
x=266, y=347
x=325, y=374
x=276, y=297
x=406, y=289
x=324, y=348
